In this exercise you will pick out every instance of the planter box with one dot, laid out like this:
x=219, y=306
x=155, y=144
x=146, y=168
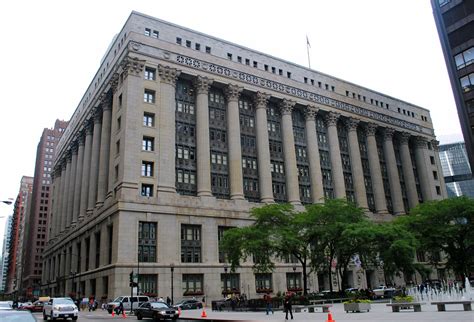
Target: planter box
x=356, y=307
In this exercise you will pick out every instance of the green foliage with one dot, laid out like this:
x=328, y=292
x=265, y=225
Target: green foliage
x=357, y=300
x=404, y=299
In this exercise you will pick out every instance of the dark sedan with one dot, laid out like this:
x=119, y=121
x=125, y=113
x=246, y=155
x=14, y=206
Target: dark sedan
x=156, y=311
x=188, y=305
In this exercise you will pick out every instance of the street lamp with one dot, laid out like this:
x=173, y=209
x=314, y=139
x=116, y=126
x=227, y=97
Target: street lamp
x=172, y=271
x=225, y=280
x=73, y=286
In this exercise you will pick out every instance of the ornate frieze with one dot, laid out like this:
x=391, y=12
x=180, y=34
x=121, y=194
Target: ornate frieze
x=297, y=92
x=232, y=92
x=168, y=75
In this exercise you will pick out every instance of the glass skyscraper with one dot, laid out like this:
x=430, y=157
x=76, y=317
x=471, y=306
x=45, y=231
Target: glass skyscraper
x=456, y=169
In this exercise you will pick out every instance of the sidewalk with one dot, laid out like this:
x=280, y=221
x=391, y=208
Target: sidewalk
x=379, y=313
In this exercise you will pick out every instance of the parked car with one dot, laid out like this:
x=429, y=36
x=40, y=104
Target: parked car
x=383, y=291
x=127, y=302
x=36, y=306
x=188, y=305
x=16, y=316
x=156, y=311
x=60, y=307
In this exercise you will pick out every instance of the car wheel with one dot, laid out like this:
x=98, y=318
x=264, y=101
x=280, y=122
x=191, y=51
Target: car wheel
x=139, y=316
x=45, y=318
x=74, y=318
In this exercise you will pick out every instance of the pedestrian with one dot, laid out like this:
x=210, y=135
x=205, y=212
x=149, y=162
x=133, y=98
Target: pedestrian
x=268, y=300
x=119, y=309
x=168, y=301
x=287, y=306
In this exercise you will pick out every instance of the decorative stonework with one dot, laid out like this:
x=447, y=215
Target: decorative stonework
x=105, y=101
x=232, y=92
x=310, y=112
x=63, y=164
x=435, y=144
x=114, y=81
x=69, y=155
x=89, y=126
x=97, y=115
x=352, y=124
x=289, y=90
x=81, y=138
x=261, y=100
x=168, y=75
x=388, y=133
x=286, y=106
x=331, y=118
x=420, y=142
x=404, y=137
x=370, y=129
x=74, y=147
x=132, y=66
x=203, y=84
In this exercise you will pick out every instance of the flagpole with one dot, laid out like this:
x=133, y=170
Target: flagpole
x=307, y=49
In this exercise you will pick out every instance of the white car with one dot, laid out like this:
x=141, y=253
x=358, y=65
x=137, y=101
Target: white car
x=383, y=291
x=60, y=307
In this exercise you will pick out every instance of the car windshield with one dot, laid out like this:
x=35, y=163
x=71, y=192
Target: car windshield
x=119, y=299
x=159, y=305
x=63, y=301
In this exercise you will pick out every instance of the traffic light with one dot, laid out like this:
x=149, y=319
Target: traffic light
x=131, y=277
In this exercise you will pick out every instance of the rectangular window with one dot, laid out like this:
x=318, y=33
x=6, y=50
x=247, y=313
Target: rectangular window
x=293, y=282
x=147, y=31
x=190, y=243
x=255, y=64
x=147, y=241
x=273, y=70
x=119, y=123
x=178, y=40
x=150, y=73
x=280, y=72
x=229, y=56
x=148, y=119
x=467, y=83
x=155, y=34
x=149, y=96
x=120, y=101
x=147, y=190
x=188, y=43
x=148, y=144
x=147, y=169
x=197, y=46
x=220, y=234
x=265, y=67
x=247, y=61
x=435, y=175
x=148, y=284
x=230, y=283
x=263, y=282
x=193, y=284
x=208, y=49
x=465, y=58
x=288, y=74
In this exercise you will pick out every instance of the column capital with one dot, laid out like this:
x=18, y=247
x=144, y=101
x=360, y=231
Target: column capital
x=388, y=133
x=68, y=155
x=168, y=75
x=132, y=66
x=370, y=129
x=331, y=118
x=202, y=84
x=435, y=144
x=74, y=147
x=114, y=81
x=420, y=142
x=310, y=112
x=105, y=101
x=63, y=164
x=404, y=137
x=80, y=137
x=261, y=100
x=89, y=126
x=97, y=115
x=286, y=106
x=351, y=124
x=232, y=92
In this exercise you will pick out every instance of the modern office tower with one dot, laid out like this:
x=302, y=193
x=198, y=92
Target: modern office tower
x=17, y=235
x=180, y=134
x=37, y=219
x=456, y=170
x=456, y=31
x=5, y=254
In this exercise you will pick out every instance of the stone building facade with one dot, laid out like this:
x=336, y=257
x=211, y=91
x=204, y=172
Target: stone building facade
x=180, y=134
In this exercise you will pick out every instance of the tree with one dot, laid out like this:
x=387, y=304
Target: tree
x=445, y=226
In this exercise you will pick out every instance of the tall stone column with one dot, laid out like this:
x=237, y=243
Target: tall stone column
x=263, y=149
x=291, y=169
x=392, y=169
x=408, y=174
x=64, y=185
x=442, y=183
x=86, y=170
x=335, y=154
x=94, y=171
x=167, y=126
x=78, y=181
x=316, y=177
x=375, y=171
x=104, y=152
x=421, y=168
x=356, y=163
x=56, y=202
x=235, y=150
x=71, y=185
x=202, y=137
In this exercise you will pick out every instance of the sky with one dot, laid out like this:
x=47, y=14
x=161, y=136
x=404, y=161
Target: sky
x=52, y=49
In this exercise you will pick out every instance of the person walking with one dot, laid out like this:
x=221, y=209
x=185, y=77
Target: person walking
x=268, y=300
x=287, y=306
x=119, y=309
x=168, y=301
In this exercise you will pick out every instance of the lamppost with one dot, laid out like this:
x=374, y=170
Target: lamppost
x=73, y=286
x=225, y=280
x=172, y=294
x=294, y=276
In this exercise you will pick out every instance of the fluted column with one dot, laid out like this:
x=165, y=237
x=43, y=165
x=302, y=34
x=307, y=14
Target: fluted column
x=442, y=183
x=71, y=185
x=64, y=190
x=335, y=154
x=421, y=168
x=316, y=177
x=235, y=150
x=94, y=171
x=57, y=202
x=375, y=171
x=78, y=181
x=392, y=169
x=263, y=149
x=202, y=136
x=291, y=170
x=167, y=126
x=102, y=185
x=86, y=171
x=408, y=174
x=356, y=163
